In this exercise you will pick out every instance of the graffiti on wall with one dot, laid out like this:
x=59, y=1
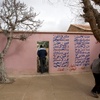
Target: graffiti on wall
x=60, y=51
x=82, y=50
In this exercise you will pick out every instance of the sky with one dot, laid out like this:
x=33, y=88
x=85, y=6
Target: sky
x=56, y=16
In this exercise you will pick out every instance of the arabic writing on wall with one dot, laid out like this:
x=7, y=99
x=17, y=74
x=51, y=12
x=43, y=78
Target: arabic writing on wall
x=60, y=50
x=82, y=50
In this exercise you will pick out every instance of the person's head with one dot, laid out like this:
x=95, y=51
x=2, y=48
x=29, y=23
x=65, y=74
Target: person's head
x=41, y=46
x=99, y=55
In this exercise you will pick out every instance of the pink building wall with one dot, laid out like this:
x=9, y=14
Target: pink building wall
x=68, y=53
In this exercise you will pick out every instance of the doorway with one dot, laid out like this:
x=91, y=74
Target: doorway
x=45, y=44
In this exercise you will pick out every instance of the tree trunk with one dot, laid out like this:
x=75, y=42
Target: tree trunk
x=90, y=17
x=3, y=74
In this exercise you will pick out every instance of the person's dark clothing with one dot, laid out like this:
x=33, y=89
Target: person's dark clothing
x=42, y=64
x=42, y=53
x=96, y=88
x=95, y=67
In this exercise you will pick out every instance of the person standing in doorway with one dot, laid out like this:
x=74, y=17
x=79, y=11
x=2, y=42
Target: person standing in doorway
x=95, y=67
x=42, y=53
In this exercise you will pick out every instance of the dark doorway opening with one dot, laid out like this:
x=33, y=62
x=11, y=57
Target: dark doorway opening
x=45, y=44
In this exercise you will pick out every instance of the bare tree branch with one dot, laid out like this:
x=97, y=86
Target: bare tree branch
x=15, y=15
x=97, y=2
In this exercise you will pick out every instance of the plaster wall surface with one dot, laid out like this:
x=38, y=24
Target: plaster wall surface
x=68, y=53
